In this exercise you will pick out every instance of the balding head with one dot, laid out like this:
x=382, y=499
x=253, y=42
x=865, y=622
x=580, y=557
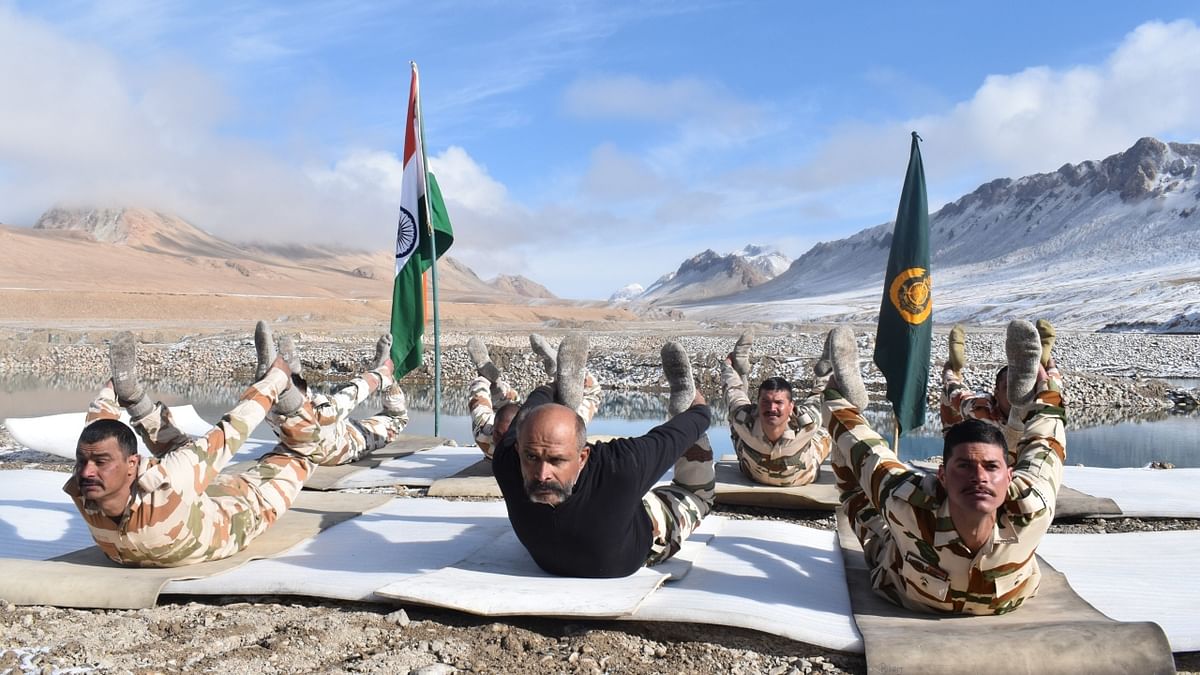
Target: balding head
x=552, y=445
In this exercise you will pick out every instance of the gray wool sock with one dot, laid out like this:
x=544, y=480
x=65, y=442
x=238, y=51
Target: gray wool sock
x=264, y=349
x=572, y=362
x=290, y=355
x=383, y=350
x=545, y=353
x=741, y=353
x=1024, y=350
x=482, y=360
x=678, y=370
x=122, y=357
x=290, y=400
x=843, y=353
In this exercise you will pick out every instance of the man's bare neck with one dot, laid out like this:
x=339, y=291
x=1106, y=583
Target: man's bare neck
x=975, y=530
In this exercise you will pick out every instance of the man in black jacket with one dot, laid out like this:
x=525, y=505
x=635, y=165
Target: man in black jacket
x=588, y=510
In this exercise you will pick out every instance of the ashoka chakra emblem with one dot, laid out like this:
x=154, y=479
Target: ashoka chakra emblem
x=406, y=234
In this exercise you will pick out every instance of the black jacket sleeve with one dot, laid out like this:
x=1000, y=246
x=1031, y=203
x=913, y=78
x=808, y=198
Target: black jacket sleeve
x=655, y=452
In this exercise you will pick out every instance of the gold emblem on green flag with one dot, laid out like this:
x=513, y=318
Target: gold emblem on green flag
x=911, y=295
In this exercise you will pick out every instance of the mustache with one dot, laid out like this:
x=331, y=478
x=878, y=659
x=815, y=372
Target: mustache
x=551, y=486
x=979, y=488
x=90, y=482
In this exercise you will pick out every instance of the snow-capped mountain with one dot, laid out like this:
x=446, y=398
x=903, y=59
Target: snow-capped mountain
x=710, y=275
x=1093, y=243
x=628, y=293
x=767, y=259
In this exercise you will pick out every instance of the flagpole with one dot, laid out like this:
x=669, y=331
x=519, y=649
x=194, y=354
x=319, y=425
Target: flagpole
x=433, y=279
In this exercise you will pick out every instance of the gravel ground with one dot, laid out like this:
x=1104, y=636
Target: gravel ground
x=288, y=635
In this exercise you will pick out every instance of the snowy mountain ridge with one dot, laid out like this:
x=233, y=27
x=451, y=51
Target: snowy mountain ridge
x=1090, y=244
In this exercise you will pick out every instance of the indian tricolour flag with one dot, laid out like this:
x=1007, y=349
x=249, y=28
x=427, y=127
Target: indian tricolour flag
x=420, y=201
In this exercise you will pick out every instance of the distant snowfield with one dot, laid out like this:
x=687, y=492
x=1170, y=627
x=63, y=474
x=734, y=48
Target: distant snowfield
x=1092, y=296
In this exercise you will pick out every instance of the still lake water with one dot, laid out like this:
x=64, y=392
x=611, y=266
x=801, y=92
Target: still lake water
x=1120, y=442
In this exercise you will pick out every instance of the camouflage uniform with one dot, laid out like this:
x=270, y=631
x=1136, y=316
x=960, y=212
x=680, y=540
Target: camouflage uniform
x=794, y=459
x=676, y=510
x=959, y=403
x=484, y=398
x=326, y=424
x=181, y=509
x=902, y=517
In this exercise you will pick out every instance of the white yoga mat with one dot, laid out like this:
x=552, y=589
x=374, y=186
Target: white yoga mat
x=57, y=434
x=1136, y=576
x=501, y=579
x=397, y=541
x=420, y=469
x=1162, y=493
x=776, y=577
x=38, y=520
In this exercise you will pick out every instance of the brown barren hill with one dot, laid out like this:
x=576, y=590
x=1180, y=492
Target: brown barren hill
x=130, y=267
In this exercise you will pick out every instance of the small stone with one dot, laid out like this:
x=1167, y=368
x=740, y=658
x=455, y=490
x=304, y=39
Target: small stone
x=399, y=618
x=512, y=643
x=434, y=669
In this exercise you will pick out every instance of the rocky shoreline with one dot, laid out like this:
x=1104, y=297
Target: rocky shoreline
x=1104, y=371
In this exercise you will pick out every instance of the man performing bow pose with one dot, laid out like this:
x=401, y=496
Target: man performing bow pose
x=963, y=540
x=493, y=403
x=326, y=423
x=588, y=510
x=959, y=403
x=176, y=508
x=776, y=441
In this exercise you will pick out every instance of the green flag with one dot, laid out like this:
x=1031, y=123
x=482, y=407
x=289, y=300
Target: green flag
x=408, y=292
x=905, y=331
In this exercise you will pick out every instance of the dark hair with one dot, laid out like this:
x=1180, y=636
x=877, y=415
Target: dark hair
x=107, y=428
x=775, y=384
x=1001, y=373
x=506, y=413
x=972, y=431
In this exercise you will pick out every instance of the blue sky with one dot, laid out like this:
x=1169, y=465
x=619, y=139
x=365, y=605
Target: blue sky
x=586, y=145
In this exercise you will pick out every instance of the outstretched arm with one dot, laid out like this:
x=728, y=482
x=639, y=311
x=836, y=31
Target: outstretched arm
x=862, y=460
x=1041, y=452
x=735, y=387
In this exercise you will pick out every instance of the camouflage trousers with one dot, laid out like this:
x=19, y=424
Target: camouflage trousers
x=326, y=423
x=189, y=511
x=483, y=399
x=676, y=510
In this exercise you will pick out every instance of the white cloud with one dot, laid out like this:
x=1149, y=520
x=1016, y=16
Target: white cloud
x=1039, y=118
x=613, y=174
